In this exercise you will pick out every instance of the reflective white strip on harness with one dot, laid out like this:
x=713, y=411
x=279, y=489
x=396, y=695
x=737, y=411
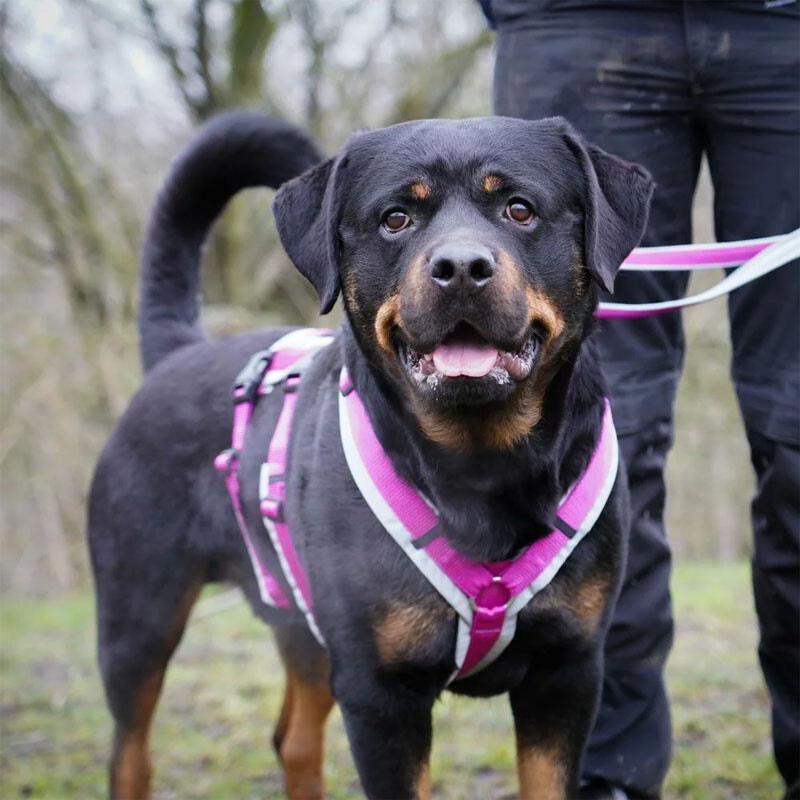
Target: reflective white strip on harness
x=283, y=362
x=377, y=503
x=288, y=572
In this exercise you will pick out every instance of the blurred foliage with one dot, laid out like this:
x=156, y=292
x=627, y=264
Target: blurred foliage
x=96, y=98
x=78, y=177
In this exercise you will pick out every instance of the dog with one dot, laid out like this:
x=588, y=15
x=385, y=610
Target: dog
x=469, y=254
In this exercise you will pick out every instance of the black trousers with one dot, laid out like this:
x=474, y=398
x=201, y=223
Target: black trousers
x=660, y=82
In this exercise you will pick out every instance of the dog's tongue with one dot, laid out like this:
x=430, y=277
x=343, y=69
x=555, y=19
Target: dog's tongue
x=471, y=357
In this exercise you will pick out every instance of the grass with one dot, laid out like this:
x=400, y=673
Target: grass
x=212, y=737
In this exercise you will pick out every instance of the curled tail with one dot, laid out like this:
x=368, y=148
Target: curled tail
x=233, y=151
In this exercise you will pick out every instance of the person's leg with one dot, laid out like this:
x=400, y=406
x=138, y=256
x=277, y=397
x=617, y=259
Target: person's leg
x=618, y=75
x=776, y=573
x=750, y=83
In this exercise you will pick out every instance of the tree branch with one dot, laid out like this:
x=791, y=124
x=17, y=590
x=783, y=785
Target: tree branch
x=170, y=54
x=201, y=52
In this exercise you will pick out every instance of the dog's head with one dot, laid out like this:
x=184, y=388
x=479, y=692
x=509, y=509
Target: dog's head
x=466, y=252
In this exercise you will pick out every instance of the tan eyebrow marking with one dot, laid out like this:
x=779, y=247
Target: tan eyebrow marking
x=420, y=190
x=491, y=183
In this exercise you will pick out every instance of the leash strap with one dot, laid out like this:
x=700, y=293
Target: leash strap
x=768, y=255
x=685, y=257
x=486, y=596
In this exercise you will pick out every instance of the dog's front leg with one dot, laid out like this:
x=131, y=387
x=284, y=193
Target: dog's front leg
x=389, y=727
x=553, y=711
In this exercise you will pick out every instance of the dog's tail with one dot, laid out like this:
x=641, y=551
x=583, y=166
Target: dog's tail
x=231, y=152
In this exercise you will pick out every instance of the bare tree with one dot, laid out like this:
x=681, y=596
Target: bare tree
x=77, y=198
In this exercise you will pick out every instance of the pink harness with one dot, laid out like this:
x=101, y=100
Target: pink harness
x=487, y=597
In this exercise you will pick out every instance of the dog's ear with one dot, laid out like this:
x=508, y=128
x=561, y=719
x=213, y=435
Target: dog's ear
x=616, y=207
x=307, y=212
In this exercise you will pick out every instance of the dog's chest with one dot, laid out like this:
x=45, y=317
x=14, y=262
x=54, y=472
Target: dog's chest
x=418, y=633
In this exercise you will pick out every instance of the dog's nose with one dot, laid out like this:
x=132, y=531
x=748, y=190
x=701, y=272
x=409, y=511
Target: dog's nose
x=461, y=268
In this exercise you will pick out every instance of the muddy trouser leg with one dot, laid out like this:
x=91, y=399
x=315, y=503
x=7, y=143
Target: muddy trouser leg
x=776, y=577
x=616, y=73
x=756, y=172
x=765, y=329
x=618, y=77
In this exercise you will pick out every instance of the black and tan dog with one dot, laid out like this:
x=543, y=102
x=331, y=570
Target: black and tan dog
x=489, y=234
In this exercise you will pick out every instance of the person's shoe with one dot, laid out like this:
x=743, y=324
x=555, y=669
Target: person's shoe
x=600, y=789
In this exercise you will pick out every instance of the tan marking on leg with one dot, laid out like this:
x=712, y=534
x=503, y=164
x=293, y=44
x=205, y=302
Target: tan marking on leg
x=131, y=767
x=420, y=190
x=386, y=320
x=282, y=725
x=585, y=602
x=403, y=630
x=589, y=602
x=541, y=774
x=491, y=183
x=423, y=789
x=302, y=746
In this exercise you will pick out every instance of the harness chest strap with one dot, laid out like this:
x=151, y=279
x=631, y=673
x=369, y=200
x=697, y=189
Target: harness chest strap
x=486, y=596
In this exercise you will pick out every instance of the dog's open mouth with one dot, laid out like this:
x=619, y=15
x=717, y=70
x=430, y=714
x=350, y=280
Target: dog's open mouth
x=464, y=353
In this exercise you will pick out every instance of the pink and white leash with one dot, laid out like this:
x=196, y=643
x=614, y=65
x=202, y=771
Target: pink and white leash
x=754, y=258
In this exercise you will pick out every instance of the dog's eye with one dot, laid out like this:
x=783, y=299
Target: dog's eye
x=519, y=211
x=395, y=220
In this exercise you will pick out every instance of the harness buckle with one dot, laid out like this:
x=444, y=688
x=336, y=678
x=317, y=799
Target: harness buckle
x=225, y=461
x=245, y=387
x=291, y=382
x=272, y=508
x=492, y=598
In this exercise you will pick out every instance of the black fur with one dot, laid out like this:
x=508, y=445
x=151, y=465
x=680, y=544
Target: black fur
x=616, y=215
x=159, y=514
x=232, y=152
x=307, y=213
